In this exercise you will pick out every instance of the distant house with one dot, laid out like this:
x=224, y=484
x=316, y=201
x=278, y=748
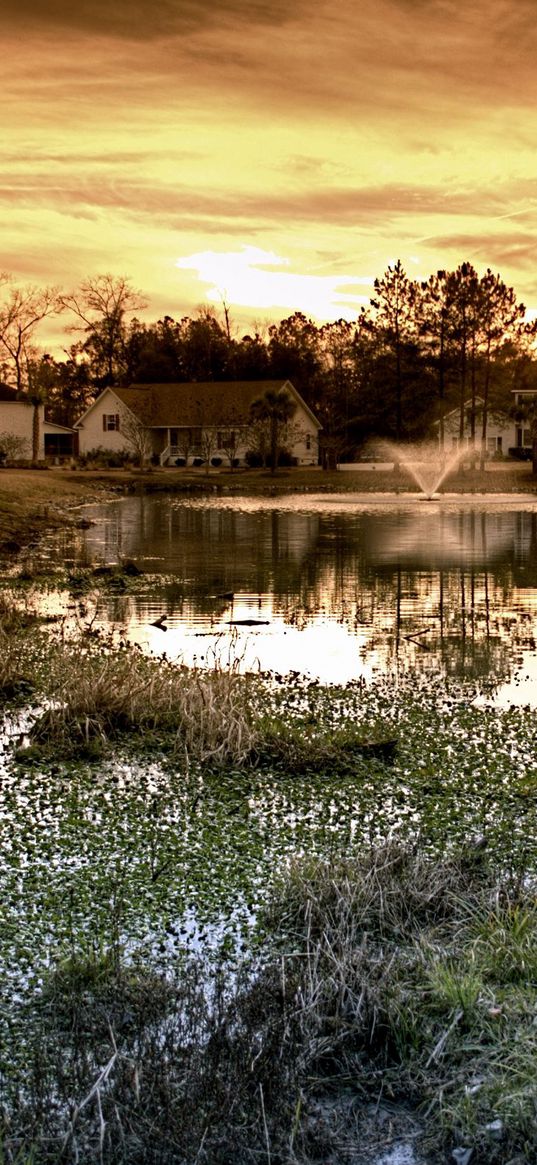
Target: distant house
x=501, y=431
x=180, y=423
x=16, y=429
x=525, y=412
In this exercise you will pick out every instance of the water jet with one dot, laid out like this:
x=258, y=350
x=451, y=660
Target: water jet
x=427, y=464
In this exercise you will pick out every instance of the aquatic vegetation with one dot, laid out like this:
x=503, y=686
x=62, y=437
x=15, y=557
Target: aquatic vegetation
x=14, y=624
x=305, y=744
x=205, y=789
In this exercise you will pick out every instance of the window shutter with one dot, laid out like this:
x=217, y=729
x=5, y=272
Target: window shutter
x=117, y=421
x=104, y=422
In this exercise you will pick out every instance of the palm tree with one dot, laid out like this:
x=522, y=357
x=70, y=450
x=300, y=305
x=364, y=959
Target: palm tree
x=277, y=407
x=40, y=377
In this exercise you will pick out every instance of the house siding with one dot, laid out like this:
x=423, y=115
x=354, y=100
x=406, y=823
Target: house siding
x=93, y=435
x=16, y=418
x=500, y=434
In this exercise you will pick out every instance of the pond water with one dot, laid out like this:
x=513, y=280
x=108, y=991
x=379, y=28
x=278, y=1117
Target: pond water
x=334, y=587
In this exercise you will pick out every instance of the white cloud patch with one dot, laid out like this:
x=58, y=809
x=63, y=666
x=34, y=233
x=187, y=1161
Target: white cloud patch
x=258, y=279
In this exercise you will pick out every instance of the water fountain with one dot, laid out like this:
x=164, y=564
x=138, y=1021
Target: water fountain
x=428, y=465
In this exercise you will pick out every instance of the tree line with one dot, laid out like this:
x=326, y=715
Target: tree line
x=457, y=341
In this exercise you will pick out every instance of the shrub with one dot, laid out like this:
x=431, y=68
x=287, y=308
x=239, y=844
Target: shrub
x=197, y=461
x=253, y=458
x=180, y=461
x=286, y=458
x=13, y=448
x=216, y=461
x=520, y=453
x=107, y=459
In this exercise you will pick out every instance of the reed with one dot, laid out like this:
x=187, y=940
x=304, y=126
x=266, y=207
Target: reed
x=95, y=698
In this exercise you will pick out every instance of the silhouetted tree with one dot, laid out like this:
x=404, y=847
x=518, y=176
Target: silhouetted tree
x=22, y=309
x=395, y=315
x=501, y=319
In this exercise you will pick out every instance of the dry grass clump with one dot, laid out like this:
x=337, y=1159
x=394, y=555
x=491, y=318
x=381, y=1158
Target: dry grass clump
x=205, y=715
x=389, y=892
x=419, y=979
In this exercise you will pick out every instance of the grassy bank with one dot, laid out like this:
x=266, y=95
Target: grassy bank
x=32, y=500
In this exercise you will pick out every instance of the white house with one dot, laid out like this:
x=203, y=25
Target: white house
x=502, y=433
x=16, y=430
x=525, y=406
x=181, y=422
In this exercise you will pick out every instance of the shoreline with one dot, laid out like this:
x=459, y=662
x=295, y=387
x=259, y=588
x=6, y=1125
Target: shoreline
x=32, y=501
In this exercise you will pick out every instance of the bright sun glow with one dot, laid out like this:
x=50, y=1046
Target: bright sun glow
x=247, y=278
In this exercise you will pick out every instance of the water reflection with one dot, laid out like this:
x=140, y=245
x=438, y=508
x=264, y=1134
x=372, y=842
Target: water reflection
x=327, y=585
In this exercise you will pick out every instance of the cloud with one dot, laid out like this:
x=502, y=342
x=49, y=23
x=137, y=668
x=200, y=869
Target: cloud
x=140, y=19
x=254, y=278
x=494, y=250
x=176, y=205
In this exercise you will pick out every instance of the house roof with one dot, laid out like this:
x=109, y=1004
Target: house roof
x=52, y=427
x=478, y=402
x=199, y=403
x=7, y=393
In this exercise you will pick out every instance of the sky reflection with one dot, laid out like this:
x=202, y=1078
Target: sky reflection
x=321, y=586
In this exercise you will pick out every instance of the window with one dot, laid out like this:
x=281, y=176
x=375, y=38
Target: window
x=308, y=441
x=110, y=422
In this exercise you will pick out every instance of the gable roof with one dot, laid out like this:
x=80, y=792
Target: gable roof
x=198, y=403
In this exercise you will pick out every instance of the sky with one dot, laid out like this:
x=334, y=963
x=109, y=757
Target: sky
x=273, y=156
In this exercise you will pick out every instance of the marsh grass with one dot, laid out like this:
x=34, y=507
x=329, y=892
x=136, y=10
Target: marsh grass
x=14, y=628
x=303, y=745
x=98, y=697
x=98, y=693
x=419, y=976
x=378, y=983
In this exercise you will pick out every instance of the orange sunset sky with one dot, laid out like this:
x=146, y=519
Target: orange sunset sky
x=279, y=155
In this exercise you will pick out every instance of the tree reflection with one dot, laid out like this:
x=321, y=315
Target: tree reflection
x=422, y=587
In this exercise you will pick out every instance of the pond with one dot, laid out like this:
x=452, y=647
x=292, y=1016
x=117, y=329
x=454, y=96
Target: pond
x=334, y=587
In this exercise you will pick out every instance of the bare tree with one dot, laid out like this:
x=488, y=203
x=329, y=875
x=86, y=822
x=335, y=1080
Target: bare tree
x=137, y=436
x=186, y=443
x=101, y=306
x=208, y=444
x=21, y=311
x=230, y=440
